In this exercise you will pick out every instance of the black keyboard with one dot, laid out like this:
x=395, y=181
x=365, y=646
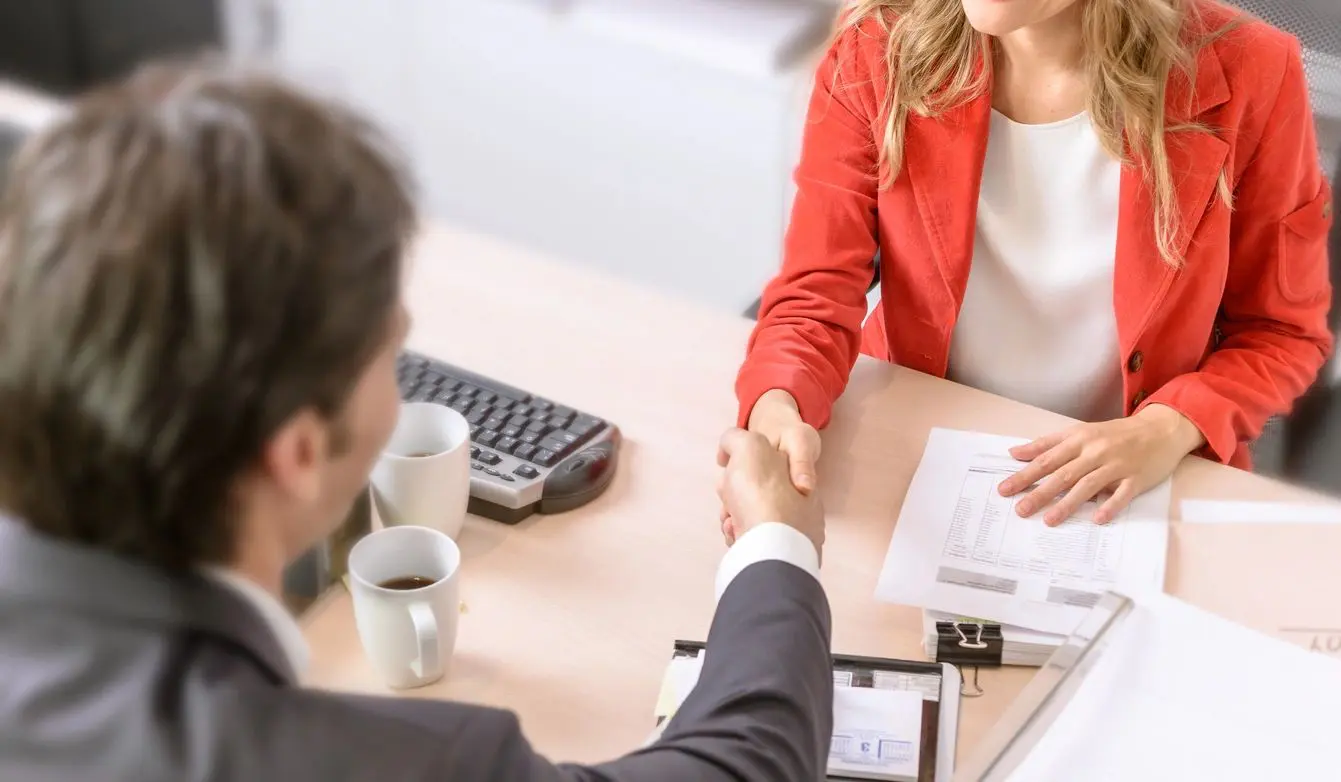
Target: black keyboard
x=528, y=454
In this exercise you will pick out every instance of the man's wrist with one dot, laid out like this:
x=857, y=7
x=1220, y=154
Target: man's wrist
x=768, y=541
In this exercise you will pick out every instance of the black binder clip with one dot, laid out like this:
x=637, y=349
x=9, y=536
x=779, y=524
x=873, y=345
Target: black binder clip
x=969, y=644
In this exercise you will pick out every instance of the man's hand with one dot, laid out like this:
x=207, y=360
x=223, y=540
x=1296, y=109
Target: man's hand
x=1127, y=457
x=756, y=488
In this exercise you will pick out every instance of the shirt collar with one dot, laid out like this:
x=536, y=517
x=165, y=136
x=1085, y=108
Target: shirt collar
x=276, y=617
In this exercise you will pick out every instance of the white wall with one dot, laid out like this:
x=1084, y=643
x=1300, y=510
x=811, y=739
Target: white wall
x=594, y=147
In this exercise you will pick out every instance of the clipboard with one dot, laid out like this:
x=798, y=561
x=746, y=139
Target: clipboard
x=1045, y=697
x=939, y=683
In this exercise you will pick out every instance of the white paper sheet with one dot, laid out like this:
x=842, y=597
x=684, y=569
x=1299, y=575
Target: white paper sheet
x=1180, y=694
x=959, y=546
x=876, y=733
x=1228, y=512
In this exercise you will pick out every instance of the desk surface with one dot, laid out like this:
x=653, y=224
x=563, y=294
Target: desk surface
x=570, y=618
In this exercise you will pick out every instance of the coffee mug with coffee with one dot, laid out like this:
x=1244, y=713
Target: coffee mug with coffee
x=407, y=599
x=423, y=475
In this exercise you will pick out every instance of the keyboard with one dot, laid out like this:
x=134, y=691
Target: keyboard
x=528, y=454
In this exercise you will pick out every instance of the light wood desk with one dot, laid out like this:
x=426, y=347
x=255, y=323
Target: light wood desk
x=571, y=618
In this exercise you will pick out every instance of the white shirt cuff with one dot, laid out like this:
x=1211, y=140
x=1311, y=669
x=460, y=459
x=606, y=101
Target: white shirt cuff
x=768, y=541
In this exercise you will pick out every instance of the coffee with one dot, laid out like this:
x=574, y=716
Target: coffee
x=408, y=582
x=422, y=454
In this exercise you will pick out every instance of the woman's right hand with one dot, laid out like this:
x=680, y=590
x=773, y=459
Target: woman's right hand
x=777, y=417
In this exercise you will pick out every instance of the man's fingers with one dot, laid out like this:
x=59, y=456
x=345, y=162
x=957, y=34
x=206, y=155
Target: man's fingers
x=1122, y=497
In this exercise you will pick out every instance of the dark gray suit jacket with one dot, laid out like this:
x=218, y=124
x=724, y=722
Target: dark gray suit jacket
x=115, y=672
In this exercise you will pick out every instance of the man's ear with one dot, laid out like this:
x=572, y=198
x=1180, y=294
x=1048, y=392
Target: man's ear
x=292, y=458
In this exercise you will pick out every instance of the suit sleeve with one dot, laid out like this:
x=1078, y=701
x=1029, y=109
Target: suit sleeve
x=1273, y=321
x=808, y=334
x=763, y=707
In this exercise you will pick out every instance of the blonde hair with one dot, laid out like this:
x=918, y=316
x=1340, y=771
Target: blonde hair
x=1132, y=47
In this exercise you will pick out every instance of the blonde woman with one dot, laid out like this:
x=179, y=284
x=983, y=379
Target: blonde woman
x=1112, y=209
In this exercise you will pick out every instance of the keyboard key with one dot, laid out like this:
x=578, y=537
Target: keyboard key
x=493, y=472
x=531, y=437
x=587, y=420
x=490, y=458
x=476, y=466
x=422, y=394
x=557, y=446
x=518, y=420
x=505, y=405
x=468, y=390
x=444, y=397
x=545, y=457
x=563, y=436
x=512, y=431
x=507, y=478
x=462, y=405
x=537, y=426
x=557, y=420
x=506, y=444
x=527, y=471
x=542, y=404
x=566, y=412
x=487, y=397
x=524, y=451
x=523, y=410
x=487, y=438
x=474, y=451
x=476, y=417
x=494, y=424
x=475, y=431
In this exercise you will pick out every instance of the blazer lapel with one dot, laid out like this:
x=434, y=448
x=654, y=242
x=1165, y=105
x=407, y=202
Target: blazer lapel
x=944, y=164
x=1196, y=159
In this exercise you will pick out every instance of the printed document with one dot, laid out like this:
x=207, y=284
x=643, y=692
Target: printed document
x=876, y=733
x=959, y=546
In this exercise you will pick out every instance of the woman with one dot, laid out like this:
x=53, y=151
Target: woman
x=1113, y=209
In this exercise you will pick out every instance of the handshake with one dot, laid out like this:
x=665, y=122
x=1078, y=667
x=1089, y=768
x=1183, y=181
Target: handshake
x=756, y=487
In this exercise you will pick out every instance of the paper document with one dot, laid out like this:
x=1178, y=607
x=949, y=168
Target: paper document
x=1225, y=512
x=959, y=546
x=876, y=733
x=1180, y=694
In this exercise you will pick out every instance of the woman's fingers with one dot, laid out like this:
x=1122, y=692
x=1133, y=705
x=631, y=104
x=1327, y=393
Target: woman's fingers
x=1031, y=451
x=1122, y=497
x=802, y=445
x=1040, y=468
x=1084, y=490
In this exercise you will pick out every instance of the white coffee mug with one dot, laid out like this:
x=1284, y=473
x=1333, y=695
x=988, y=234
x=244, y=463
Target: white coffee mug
x=408, y=633
x=423, y=475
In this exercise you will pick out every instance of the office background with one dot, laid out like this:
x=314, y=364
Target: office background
x=648, y=139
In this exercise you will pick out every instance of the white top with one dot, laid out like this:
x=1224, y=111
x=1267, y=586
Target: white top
x=1038, y=324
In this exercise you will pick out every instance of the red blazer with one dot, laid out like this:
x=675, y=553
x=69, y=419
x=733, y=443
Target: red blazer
x=1230, y=339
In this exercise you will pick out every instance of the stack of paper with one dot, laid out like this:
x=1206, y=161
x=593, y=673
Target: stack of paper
x=961, y=548
x=1020, y=646
x=1180, y=694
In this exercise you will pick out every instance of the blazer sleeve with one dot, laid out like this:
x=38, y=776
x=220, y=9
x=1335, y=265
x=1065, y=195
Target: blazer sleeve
x=1273, y=320
x=808, y=333
x=762, y=710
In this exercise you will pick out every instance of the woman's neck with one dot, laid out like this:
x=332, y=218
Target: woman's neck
x=1039, y=72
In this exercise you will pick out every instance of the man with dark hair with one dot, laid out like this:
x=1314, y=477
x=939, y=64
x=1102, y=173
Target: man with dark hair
x=200, y=315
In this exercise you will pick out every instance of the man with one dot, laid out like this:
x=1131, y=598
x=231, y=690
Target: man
x=200, y=314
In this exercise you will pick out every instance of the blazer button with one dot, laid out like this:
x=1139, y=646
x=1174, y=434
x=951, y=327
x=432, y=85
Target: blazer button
x=1135, y=363
x=1138, y=399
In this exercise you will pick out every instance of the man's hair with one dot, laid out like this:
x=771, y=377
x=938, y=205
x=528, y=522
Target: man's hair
x=187, y=260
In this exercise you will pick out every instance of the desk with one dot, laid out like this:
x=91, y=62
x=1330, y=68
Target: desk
x=570, y=618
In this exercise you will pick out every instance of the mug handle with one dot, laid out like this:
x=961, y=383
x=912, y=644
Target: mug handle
x=426, y=634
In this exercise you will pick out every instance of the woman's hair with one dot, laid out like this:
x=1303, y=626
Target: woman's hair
x=1132, y=46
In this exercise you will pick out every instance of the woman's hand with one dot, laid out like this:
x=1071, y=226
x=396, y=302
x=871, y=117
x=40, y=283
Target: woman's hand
x=1126, y=456
x=778, y=419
